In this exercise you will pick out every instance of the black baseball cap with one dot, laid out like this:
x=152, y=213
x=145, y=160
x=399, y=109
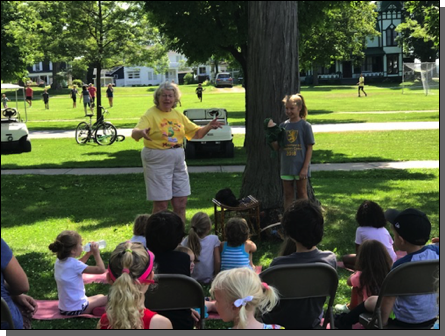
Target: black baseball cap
x=411, y=224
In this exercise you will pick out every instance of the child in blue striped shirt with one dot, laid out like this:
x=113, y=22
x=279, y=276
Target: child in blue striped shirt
x=237, y=250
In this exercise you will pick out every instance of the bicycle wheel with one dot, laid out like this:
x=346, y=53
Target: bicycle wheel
x=105, y=134
x=83, y=133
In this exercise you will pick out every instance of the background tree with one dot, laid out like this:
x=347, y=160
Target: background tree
x=16, y=55
x=114, y=33
x=419, y=33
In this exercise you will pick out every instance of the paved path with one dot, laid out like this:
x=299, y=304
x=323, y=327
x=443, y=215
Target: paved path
x=240, y=169
x=226, y=169
x=316, y=129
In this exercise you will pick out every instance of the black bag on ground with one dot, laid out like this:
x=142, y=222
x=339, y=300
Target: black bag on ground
x=227, y=197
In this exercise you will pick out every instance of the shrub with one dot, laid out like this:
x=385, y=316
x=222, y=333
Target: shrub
x=189, y=78
x=77, y=82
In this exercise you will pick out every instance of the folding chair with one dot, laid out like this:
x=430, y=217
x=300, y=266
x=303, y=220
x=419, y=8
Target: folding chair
x=411, y=278
x=303, y=281
x=6, y=314
x=176, y=291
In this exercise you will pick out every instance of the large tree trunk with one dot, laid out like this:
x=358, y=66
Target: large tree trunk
x=272, y=65
x=56, y=85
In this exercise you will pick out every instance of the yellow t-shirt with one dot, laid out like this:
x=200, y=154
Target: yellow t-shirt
x=167, y=128
x=361, y=81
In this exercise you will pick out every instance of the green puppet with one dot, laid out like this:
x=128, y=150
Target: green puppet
x=273, y=133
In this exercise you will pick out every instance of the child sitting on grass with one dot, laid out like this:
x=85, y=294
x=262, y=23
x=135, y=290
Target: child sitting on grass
x=139, y=226
x=411, y=229
x=373, y=264
x=371, y=220
x=205, y=247
x=68, y=274
x=238, y=249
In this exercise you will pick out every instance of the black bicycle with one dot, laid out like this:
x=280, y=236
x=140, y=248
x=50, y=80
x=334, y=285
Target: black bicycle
x=102, y=132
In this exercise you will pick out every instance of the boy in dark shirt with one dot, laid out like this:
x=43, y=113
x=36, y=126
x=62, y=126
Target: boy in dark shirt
x=45, y=96
x=303, y=223
x=198, y=91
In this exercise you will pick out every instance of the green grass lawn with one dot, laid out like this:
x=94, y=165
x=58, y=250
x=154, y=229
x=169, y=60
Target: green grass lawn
x=326, y=104
x=329, y=148
x=37, y=208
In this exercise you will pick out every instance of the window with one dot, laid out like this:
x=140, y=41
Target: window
x=391, y=35
x=367, y=64
x=37, y=66
x=202, y=70
x=150, y=76
x=393, y=64
x=133, y=74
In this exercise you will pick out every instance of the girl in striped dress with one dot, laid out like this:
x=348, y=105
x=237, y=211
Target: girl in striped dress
x=237, y=250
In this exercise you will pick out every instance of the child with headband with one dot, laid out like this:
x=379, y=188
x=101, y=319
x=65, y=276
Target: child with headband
x=239, y=294
x=130, y=272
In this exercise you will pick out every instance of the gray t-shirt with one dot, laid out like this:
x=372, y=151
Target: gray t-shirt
x=204, y=269
x=300, y=313
x=297, y=136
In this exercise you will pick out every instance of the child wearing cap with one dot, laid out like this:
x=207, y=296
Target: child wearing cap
x=411, y=229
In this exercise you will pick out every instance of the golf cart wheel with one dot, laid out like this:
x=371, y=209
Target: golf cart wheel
x=25, y=144
x=190, y=150
x=229, y=150
x=105, y=134
x=83, y=132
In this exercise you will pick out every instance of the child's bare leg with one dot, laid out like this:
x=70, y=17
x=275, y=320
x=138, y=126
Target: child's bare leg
x=96, y=301
x=349, y=261
x=289, y=193
x=302, y=189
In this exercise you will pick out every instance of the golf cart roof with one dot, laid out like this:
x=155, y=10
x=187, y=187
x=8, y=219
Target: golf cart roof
x=11, y=86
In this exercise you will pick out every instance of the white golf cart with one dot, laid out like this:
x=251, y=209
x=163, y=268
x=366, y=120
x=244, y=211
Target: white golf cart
x=15, y=135
x=216, y=141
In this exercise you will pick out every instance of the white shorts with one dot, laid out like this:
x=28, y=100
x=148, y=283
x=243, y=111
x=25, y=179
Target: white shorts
x=165, y=173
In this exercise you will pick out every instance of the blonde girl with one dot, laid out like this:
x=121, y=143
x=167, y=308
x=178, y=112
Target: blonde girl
x=239, y=294
x=130, y=272
x=296, y=151
x=205, y=248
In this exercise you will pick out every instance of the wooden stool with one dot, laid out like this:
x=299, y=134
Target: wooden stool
x=253, y=212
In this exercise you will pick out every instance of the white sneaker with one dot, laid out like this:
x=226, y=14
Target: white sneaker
x=341, y=308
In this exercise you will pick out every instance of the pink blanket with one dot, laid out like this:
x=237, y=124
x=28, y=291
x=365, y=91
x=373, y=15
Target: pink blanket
x=49, y=310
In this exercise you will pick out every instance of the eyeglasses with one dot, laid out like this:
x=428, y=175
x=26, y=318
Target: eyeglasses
x=167, y=96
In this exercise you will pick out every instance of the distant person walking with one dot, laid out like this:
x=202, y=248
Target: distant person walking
x=198, y=91
x=5, y=101
x=86, y=99
x=73, y=95
x=110, y=94
x=361, y=85
x=92, y=90
x=29, y=94
x=45, y=96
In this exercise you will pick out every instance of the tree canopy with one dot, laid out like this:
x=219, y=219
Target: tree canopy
x=419, y=33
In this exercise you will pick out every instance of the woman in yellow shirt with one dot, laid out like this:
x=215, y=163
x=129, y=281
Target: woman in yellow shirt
x=163, y=129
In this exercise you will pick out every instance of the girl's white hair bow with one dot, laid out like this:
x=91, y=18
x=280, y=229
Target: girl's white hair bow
x=242, y=302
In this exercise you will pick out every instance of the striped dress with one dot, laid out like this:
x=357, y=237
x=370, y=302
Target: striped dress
x=233, y=257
